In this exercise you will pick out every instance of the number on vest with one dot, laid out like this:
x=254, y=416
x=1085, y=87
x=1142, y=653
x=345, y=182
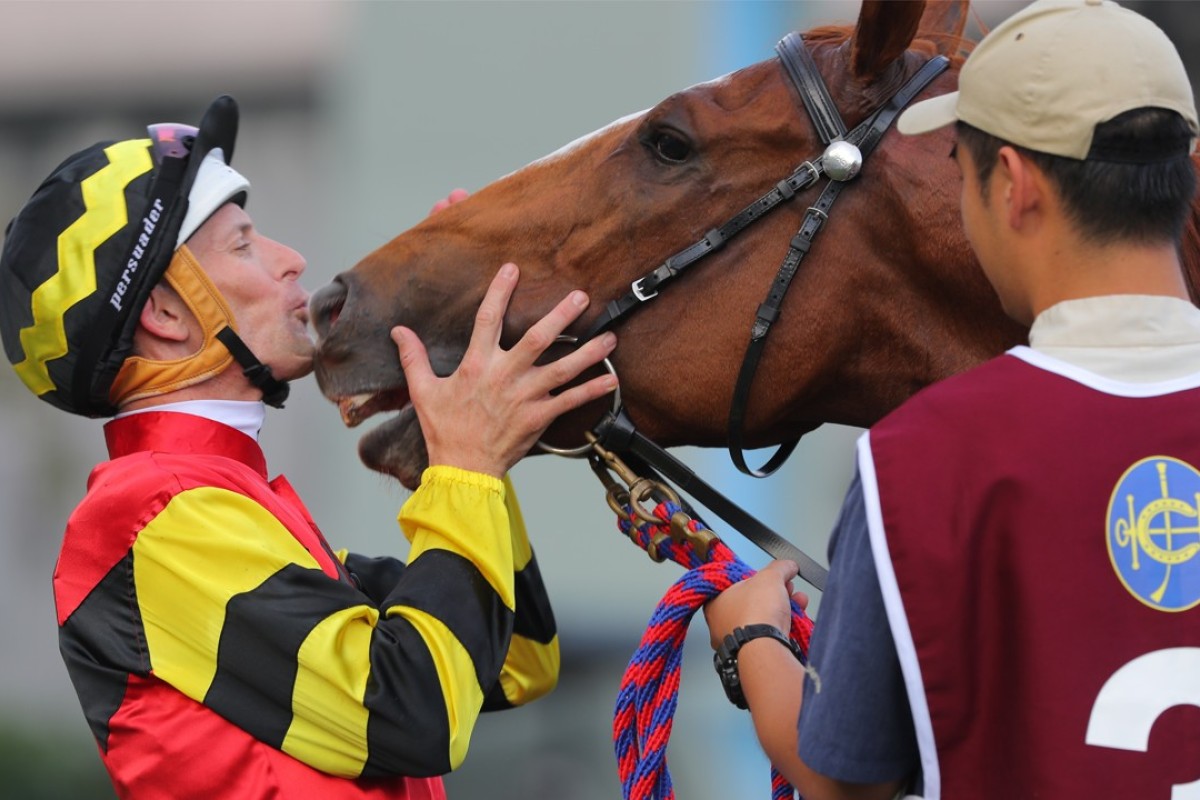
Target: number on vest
x=1137, y=694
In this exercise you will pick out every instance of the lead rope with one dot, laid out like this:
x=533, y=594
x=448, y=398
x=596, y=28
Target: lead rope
x=649, y=691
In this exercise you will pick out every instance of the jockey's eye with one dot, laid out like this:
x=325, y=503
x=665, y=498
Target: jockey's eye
x=670, y=147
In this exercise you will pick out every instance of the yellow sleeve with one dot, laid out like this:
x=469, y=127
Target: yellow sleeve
x=531, y=668
x=464, y=513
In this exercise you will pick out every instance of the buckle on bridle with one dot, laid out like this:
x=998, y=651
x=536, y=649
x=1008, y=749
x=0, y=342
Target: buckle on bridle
x=638, y=292
x=811, y=167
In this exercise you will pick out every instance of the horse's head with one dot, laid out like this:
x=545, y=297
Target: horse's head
x=889, y=300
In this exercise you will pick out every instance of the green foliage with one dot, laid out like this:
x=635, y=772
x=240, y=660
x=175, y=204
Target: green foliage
x=47, y=765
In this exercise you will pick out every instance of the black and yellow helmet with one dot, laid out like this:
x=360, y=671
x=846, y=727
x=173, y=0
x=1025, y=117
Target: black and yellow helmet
x=81, y=257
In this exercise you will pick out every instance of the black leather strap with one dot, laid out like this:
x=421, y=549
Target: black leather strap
x=766, y=315
x=806, y=175
x=646, y=287
x=725, y=659
x=617, y=433
x=866, y=136
x=801, y=68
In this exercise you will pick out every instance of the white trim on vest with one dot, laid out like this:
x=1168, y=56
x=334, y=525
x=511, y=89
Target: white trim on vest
x=906, y=649
x=1100, y=383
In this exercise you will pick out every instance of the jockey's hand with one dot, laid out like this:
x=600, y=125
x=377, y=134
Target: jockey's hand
x=763, y=598
x=490, y=411
x=456, y=196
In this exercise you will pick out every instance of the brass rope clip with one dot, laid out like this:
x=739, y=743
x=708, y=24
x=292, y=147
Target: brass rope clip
x=699, y=540
x=641, y=491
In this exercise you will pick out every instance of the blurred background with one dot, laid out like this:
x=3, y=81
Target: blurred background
x=356, y=117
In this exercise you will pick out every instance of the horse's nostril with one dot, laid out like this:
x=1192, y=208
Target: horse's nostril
x=326, y=306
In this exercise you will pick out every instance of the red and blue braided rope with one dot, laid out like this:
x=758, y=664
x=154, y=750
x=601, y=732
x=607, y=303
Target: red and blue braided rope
x=649, y=692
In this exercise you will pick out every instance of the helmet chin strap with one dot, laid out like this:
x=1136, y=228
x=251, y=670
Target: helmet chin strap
x=140, y=377
x=275, y=391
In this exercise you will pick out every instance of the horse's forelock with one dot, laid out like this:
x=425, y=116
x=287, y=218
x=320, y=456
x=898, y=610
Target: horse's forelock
x=829, y=34
x=878, y=89
x=926, y=43
x=930, y=43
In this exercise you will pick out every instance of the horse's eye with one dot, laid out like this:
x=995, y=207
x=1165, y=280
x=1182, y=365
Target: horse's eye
x=670, y=147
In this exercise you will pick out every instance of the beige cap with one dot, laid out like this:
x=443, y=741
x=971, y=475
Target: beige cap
x=1048, y=75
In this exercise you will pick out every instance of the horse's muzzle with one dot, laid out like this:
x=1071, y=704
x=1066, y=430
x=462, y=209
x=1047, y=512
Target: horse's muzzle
x=326, y=306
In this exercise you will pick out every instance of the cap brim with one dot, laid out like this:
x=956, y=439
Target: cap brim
x=929, y=115
x=218, y=128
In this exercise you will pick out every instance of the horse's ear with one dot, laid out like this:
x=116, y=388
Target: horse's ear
x=943, y=22
x=884, y=31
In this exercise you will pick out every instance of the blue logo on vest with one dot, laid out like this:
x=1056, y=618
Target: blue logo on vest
x=1154, y=532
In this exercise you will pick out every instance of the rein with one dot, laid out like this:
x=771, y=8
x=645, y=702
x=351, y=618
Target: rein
x=617, y=432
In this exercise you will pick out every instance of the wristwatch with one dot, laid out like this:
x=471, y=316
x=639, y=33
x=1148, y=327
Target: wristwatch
x=726, y=662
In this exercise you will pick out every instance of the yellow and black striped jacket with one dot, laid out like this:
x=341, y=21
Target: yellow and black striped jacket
x=220, y=648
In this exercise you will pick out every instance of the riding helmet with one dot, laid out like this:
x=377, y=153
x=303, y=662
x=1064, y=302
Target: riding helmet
x=80, y=258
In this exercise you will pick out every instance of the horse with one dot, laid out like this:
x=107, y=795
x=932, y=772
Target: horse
x=889, y=300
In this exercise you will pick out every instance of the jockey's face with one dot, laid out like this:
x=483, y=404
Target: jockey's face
x=258, y=278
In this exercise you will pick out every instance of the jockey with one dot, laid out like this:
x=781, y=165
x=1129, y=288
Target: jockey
x=219, y=646
x=1013, y=602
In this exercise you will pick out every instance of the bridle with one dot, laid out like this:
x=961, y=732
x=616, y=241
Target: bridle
x=839, y=163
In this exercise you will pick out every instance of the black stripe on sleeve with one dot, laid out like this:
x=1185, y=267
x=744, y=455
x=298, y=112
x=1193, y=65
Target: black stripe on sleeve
x=408, y=731
x=407, y=726
x=450, y=588
x=102, y=643
x=534, y=618
x=260, y=642
x=400, y=735
x=376, y=577
x=496, y=699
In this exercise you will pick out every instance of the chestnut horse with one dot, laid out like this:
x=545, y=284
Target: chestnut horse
x=889, y=300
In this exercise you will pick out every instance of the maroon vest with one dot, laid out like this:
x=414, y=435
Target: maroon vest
x=1038, y=546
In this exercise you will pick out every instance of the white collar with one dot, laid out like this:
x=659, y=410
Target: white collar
x=1125, y=320
x=246, y=416
x=1139, y=339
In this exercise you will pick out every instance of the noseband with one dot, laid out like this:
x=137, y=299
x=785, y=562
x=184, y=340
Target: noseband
x=839, y=164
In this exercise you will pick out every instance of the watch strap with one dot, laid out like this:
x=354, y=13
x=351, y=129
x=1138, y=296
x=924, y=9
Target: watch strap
x=725, y=659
